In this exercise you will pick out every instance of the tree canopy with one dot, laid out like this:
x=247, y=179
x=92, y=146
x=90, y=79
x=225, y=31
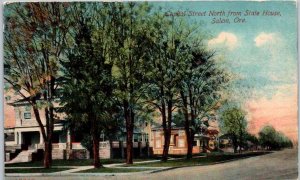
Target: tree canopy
x=234, y=123
x=272, y=139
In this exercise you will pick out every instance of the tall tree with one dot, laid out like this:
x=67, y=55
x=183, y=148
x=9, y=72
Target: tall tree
x=34, y=43
x=165, y=61
x=88, y=85
x=200, y=89
x=234, y=123
x=129, y=22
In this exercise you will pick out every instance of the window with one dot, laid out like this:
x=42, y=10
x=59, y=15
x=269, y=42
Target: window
x=181, y=133
x=180, y=143
x=27, y=115
x=194, y=143
x=135, y=138
x=146, y=138
x=158, y=143
x=7, y=98
x=172, y=140
x=27, y=108
x=157, y=134
x=9, y=137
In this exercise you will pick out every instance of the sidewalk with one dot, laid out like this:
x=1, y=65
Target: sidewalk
x=75, y=169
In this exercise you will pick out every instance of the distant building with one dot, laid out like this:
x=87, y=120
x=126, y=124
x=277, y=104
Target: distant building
x=178, y=141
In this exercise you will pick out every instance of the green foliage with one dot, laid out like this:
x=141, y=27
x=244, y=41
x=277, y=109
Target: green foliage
x=118, y=61
x=272, y=139
x=178, y=118
x=88, y=84
x=233, y=122
x=251, y=138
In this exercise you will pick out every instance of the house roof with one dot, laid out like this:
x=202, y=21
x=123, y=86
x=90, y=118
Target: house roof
x=23, y=101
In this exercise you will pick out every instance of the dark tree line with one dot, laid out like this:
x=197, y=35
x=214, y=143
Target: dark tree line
x=271, y=139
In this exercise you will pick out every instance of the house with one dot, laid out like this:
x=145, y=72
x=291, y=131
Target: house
x=225, y=143
x=178, y=141
x=26, y=134
x=24, y=141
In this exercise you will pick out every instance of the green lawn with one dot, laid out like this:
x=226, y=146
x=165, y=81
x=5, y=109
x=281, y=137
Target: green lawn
x=35, y=170
x=74, y=162
x=211, y=158
x=113, y=170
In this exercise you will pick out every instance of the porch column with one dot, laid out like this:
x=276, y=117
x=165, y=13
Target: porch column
x=68, y=137
x=19, y=137
x=69, y=140
x=16, y=137
x=69, y=146
x=41, y=138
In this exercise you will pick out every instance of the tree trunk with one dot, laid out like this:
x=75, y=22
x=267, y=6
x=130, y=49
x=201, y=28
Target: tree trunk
x=190, y=147
x=47, y=154
x=91, y=151
x=191, y=134
x=164, y=124
x=48, y=147
x=95, y=135
x=167, y=136
x=234, y=143
x=187, y=126
x=97, y=163
x=129, y=115
x=167, y=131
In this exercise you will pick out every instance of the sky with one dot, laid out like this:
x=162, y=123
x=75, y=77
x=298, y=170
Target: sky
x=261, y=51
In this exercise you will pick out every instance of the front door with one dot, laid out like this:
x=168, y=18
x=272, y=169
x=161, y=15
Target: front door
x=26, y=140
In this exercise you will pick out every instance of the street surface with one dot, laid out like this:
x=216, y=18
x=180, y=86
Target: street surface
x=277, y=165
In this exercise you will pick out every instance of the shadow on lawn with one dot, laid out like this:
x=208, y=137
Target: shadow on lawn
x=211, y=158
x=198, y=159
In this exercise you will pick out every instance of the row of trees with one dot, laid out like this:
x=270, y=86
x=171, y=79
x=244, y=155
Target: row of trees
x=109, y=61
x=271, y=139
x=234, y=124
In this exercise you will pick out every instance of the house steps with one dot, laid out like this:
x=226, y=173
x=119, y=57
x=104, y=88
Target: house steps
x=23, y=156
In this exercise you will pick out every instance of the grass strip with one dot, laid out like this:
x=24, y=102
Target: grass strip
x=210, y=159
x=35, y=170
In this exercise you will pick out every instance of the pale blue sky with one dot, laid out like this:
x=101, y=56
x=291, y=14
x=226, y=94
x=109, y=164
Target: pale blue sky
x=264, y=64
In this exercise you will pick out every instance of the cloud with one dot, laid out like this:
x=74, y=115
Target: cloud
x=265, y=38
x=228, y=39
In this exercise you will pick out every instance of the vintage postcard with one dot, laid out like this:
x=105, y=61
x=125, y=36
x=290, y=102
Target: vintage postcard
x=156, y=90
